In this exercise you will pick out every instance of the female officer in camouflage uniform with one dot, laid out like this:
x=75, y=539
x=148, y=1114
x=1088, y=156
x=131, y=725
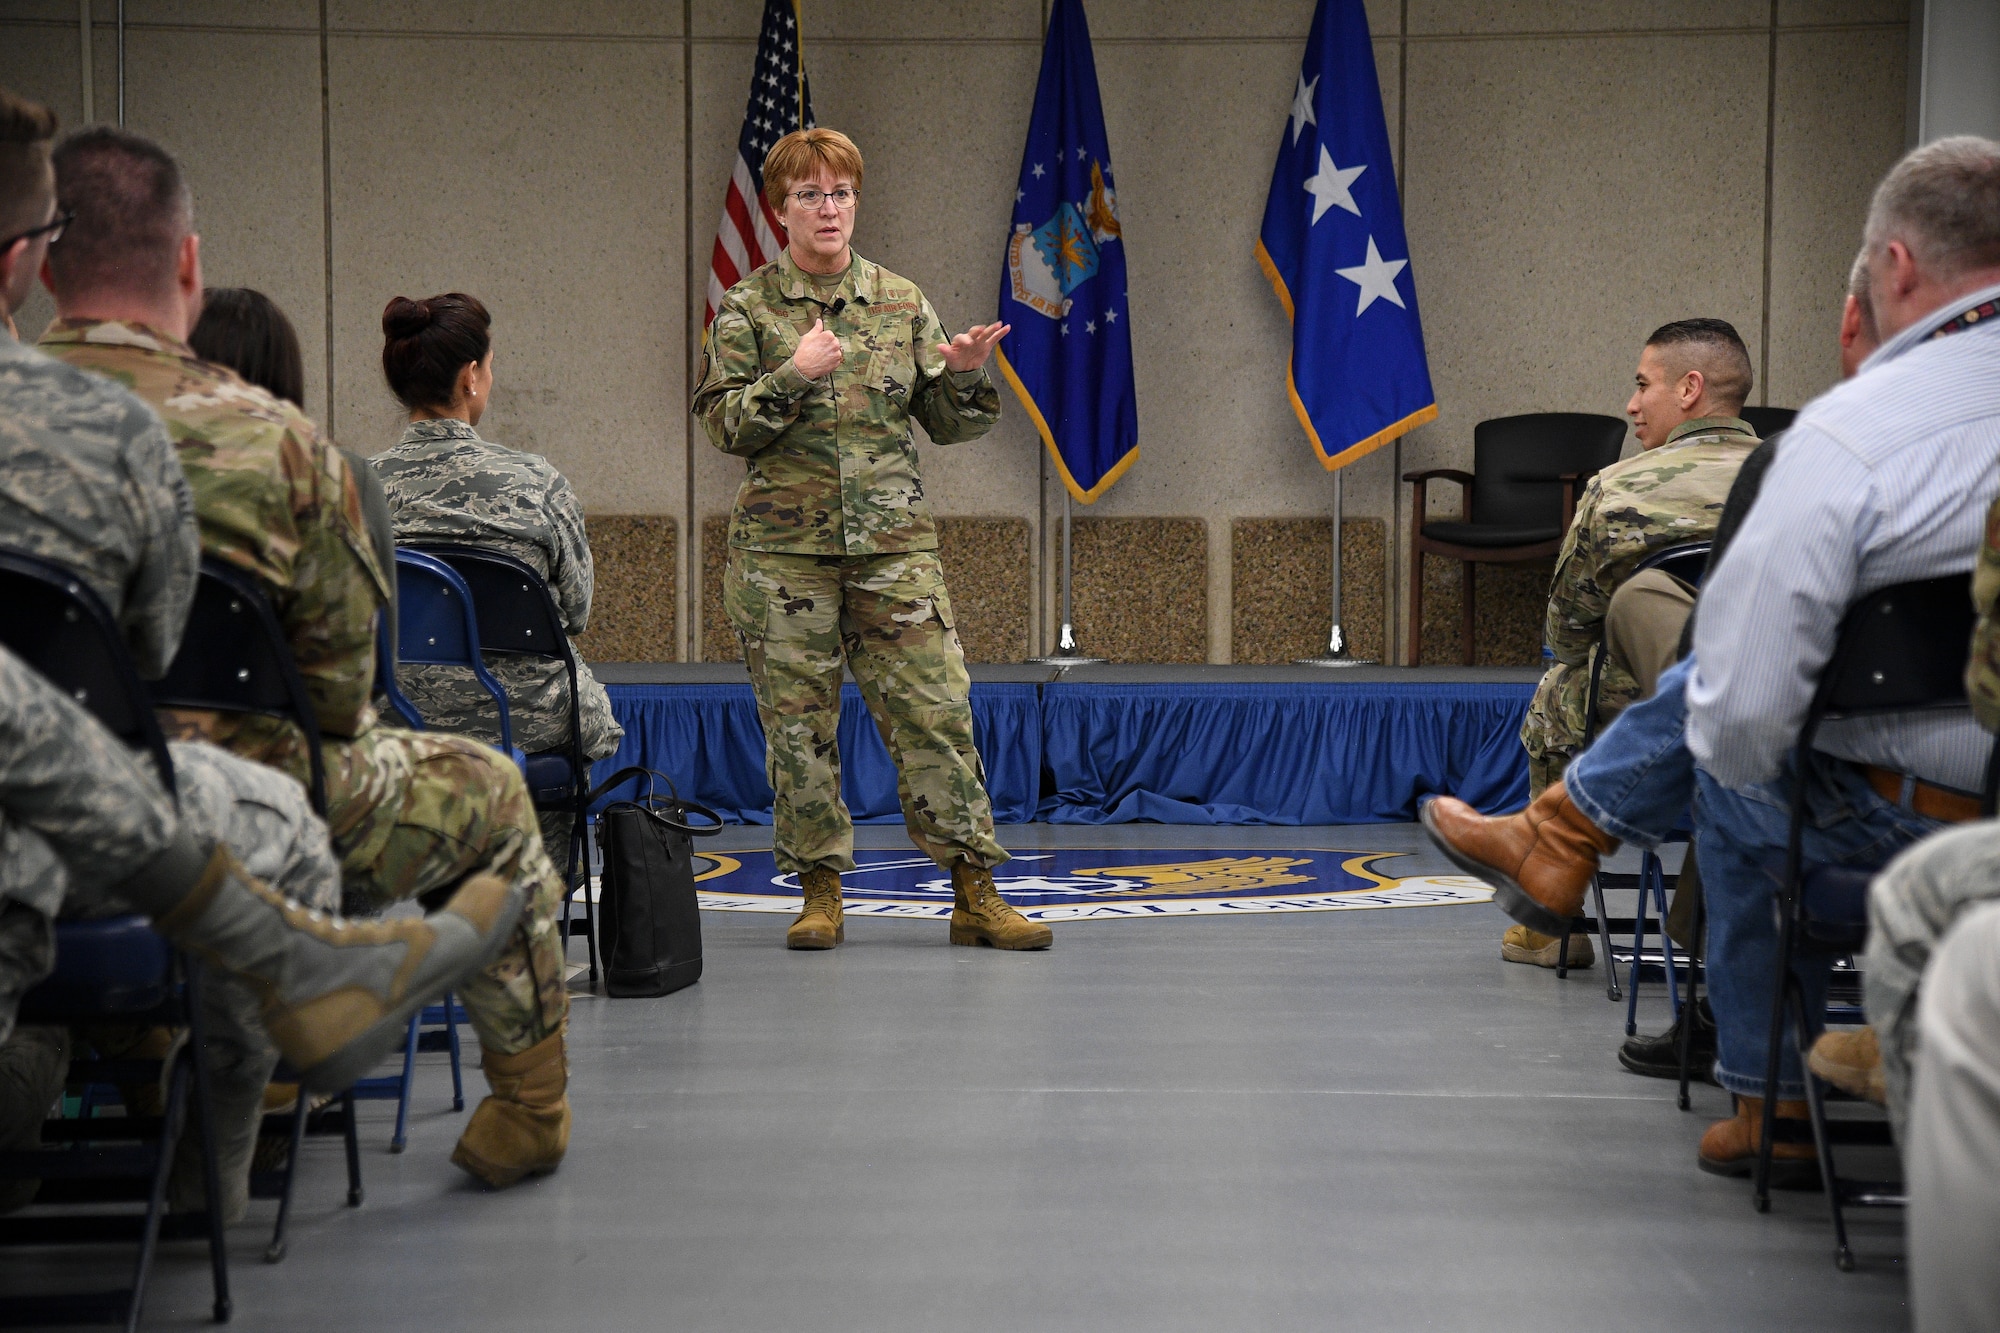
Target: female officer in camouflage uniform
x=813, y=369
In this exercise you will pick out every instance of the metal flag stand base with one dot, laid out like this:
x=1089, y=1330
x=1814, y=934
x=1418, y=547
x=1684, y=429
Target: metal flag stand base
x=1067, y=654
x=1337, y=653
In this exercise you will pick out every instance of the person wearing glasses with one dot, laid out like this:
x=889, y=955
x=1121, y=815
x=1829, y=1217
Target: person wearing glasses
x=813, y=369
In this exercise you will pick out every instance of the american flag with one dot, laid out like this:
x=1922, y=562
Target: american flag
x=748, y=236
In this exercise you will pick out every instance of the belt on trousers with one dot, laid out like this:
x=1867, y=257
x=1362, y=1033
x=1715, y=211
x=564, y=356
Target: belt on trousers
x=1923, y=798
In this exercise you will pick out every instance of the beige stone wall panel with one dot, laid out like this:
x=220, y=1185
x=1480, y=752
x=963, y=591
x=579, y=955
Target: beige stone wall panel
x=1140, y=591
x=635, y=608
x=990, y=579
x=1509, y=604
x=1281, y=580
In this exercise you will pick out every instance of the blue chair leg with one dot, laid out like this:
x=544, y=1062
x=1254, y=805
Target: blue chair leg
x=1667, y=946
x=1647, y=865
x=401, y=1138
x=156, y=1200
x=451, y=1032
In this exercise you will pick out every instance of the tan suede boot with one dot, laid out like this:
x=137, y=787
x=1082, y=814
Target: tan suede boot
x=334, y=995
x=1538, y=860
x=1729, y=1148
x=1851, y=1060
x=821, y=925
x=1521, y=945
x=979, y=915
x=523, y=1128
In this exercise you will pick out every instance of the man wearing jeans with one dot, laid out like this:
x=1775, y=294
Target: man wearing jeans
x=1882, y=481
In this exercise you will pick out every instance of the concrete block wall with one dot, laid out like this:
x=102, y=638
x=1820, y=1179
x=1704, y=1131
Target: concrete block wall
x=1575, y=172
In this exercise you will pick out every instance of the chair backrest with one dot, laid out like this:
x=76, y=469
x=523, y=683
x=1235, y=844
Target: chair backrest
x=438, y=625
x=517, y=614
x=1900, y=649
x=59, y=626
x=385, y=673
x=1686, y=562
x=1768, y=421
x=234, y=659
x=1518, y=463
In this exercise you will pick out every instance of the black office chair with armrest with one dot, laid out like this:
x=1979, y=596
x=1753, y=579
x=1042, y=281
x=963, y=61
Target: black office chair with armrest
x=108, y=970
x=518, y=616
x=1518, y=500
x=1768, y=421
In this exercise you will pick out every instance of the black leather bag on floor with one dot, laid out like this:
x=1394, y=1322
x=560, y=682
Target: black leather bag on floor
x=649, y=925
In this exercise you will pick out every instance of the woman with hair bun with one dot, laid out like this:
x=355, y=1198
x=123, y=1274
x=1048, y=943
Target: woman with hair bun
x=446, y=484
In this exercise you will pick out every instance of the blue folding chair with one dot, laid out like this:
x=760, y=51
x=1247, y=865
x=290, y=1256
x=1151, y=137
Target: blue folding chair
x=439, y=626
x=518, y=617
x=111, y=970
x=1685, y=562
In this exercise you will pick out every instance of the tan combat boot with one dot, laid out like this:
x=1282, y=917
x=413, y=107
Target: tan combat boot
x=1521, y=945
x=1729, y=1148
x=523, y=1128
x=979, y=915
x=334, y=995
x=1851, y=1060
x=821, y=925
x=1538, y=860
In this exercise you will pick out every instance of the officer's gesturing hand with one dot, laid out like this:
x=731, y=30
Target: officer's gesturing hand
x=969, y=350
x=818, y=352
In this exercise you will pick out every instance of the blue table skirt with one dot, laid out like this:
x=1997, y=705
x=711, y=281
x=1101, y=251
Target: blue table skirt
x=708, y=740
x=1279, y=754
x=1173, y=754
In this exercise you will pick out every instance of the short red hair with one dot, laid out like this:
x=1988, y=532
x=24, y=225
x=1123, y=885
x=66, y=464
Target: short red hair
x=801, y=155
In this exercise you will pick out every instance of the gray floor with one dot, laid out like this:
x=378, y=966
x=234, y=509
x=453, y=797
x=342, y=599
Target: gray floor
x=1356, y=1120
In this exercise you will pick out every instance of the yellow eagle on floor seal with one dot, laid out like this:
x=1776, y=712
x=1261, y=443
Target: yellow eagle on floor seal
x=1225, y=874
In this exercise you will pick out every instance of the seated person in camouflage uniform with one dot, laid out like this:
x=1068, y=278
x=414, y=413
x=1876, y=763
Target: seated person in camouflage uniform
x=411, y=815
x=1694, y=376
x=813, y=370
x=245, y=330
x=89, y=479
x=446, y=484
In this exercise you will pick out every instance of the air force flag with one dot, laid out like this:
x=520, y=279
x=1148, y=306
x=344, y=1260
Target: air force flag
x=1062, y=282
x=1332, y=245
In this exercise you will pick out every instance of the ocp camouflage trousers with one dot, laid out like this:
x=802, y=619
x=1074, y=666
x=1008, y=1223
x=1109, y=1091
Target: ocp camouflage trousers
x=889, y=619
x=413, y=814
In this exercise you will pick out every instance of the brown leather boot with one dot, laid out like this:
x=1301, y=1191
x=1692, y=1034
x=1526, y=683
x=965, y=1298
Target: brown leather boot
x=1538, y=860
x=979, y=915
x=821, y=925
x=1729, y=1148
x=523, y=1128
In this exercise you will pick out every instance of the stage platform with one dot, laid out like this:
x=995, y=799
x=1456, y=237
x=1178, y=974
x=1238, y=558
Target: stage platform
x=1113, y=744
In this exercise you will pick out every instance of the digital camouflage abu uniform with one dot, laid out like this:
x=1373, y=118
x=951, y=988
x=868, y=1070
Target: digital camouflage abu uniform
x=833, y=552
x=446, y=484
x=1663, y=497
x=90, y=480
x=411, y=814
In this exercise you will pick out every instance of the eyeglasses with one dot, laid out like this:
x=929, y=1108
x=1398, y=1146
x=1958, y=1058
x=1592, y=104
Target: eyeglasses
x=843, y=198
x=53, y=230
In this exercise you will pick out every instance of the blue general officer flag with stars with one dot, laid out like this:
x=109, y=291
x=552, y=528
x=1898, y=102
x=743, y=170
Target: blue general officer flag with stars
x=1332, y=245
x=1062, y=285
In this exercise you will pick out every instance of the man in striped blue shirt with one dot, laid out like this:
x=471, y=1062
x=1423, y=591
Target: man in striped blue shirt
x=1882, y=480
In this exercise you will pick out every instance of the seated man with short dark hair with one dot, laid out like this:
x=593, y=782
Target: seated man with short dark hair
x=1693, y=377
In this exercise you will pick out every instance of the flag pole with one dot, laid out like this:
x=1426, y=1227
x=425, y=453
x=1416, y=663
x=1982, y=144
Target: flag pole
x=1338, y=653
x=1066, y=653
